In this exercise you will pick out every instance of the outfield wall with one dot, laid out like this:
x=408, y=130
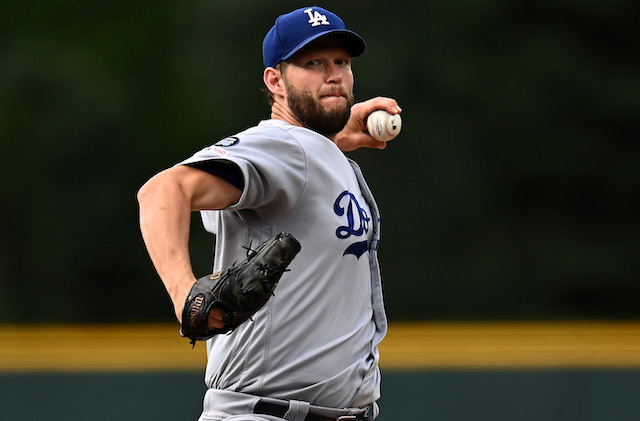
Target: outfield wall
x=432, y=371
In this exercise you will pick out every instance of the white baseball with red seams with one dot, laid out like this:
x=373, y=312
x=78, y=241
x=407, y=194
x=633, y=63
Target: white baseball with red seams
x=384, y=126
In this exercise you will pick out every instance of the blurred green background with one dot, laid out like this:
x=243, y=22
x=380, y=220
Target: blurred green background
x=512, y=192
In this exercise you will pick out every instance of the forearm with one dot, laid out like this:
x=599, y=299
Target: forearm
x=165, y=217
x=166, y=202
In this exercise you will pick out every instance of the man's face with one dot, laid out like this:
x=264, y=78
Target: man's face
x=319, y=85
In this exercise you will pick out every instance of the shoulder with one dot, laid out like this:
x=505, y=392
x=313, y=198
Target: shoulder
x=283, y=131
x=273, y=140
x=267, y=135
x=244, y=145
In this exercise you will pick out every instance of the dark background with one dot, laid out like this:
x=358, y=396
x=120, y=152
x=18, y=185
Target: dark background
x=512, y=192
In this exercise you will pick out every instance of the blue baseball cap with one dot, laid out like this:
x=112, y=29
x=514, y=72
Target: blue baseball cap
x=294, y=30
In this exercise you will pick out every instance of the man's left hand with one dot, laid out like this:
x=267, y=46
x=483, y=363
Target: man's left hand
x=354, y=135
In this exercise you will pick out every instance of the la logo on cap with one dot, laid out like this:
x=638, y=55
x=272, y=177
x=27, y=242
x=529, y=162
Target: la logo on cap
x=316, y=18
x=295, y=30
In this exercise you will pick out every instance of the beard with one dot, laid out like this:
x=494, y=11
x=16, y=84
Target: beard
x=312, y=115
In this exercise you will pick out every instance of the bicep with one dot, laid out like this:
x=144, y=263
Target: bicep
x=204, y=190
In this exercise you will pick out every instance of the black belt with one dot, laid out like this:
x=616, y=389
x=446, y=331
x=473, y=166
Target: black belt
x=279, y=409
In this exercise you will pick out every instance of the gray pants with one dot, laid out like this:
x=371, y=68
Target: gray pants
x=222, y=405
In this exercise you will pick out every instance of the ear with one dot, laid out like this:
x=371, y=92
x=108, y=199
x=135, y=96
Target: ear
x=273, y=81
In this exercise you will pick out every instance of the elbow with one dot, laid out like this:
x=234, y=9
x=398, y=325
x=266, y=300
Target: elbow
x=143, y=193
x=160, y=189
x=147, y=198
x=150, y=191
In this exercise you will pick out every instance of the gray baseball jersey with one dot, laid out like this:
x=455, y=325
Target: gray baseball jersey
x=317, y=339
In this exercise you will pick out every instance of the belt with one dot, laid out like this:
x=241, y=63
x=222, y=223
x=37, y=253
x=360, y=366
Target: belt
x=279, y=409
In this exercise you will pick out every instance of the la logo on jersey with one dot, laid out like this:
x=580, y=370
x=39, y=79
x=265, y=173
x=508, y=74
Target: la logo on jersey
x=316, y=18
x=357, y=222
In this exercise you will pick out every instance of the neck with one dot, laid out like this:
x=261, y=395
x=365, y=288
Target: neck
x=280, y=111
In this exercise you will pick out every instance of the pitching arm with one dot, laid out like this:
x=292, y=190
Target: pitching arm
x=354, y=135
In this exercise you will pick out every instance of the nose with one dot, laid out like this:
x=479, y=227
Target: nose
x=334, y=73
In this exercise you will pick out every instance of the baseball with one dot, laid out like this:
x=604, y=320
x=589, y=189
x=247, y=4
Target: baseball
x=383, y=126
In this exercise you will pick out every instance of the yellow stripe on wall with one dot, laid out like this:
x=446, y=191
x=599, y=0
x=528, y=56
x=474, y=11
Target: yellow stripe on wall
x=421, y=345
x=512, y=345
x=78, y=348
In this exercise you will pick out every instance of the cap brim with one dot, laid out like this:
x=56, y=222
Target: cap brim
x=354, y=42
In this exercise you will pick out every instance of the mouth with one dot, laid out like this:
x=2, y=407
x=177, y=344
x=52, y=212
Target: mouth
x=333, y=96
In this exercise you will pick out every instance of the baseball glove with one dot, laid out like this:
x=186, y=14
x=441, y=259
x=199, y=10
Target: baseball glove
x=240, y=289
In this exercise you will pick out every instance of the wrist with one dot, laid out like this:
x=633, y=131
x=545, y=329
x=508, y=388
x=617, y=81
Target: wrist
x=179, y=294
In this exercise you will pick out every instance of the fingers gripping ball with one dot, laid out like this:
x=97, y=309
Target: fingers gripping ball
x=241, y=289
x=383, y=126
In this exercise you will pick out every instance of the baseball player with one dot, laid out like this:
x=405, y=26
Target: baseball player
x=311, y=352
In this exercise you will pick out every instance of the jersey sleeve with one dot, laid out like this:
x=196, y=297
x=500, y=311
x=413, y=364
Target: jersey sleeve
x=226, y=170
x=272, y=165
